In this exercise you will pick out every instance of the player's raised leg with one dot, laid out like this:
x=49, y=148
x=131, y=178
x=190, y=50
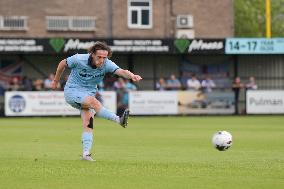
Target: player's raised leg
x=87, y=135
x=92, y=102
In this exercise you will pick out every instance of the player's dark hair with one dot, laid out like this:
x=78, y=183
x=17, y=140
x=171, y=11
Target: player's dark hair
x=100, y=46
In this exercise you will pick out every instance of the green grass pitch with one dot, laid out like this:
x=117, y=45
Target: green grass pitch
x=153, y=152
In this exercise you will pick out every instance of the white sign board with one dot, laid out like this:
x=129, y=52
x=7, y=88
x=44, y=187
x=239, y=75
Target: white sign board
x=153, y=102
x=46, y=103
x=265, y=102
x=109, y=100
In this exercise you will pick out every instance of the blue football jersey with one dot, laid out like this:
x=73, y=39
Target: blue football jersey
x=83, y=76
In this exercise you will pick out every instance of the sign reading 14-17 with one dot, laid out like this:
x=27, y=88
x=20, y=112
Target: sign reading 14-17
x=254, y=46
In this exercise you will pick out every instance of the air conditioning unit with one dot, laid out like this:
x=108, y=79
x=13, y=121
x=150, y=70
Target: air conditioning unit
x=184, y=21
x=185, y=34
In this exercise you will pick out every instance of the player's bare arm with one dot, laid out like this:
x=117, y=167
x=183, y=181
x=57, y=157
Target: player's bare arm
x=127, y=74
x=60, y=69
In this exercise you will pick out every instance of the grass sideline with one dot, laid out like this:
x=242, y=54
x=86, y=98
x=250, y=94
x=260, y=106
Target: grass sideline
x=154, y=152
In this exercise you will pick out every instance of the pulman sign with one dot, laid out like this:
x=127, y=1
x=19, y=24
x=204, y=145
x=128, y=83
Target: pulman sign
x=265, y=102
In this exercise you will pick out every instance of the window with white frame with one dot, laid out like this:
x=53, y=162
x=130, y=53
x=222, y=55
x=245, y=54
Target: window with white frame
x=70, y=23
x=140, y=14
x=13, y=22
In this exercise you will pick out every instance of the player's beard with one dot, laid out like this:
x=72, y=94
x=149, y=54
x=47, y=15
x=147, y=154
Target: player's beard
x=98, y=64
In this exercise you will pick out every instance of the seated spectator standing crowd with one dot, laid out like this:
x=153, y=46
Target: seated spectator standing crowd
x=38, y=84
x=27, y=84
x=170, y=84
x=206, y=85
x=193, y=83
x=121, y=85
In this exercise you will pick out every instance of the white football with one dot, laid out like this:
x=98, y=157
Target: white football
x=222, y=140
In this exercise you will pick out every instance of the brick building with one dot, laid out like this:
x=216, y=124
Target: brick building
x=116, y=18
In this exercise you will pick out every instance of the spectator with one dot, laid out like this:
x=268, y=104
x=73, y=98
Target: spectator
x=236, y=87
x=109, y=82
x=119, y=84
x=128, y=87
x=208, y=84
x=119, y=87
x=38, y=85
x=193, y=83
x=2, y=90
x=251, y=84
x=47, y=82
x=15, y=84
x=161, y=85
x=173, y=83
x=27, y=84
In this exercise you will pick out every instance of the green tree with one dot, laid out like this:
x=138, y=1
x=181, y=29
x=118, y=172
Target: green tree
x=250, y=18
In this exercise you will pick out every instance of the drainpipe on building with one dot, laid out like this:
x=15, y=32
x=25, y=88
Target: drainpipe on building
x=173, y=19
x=109, y=29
